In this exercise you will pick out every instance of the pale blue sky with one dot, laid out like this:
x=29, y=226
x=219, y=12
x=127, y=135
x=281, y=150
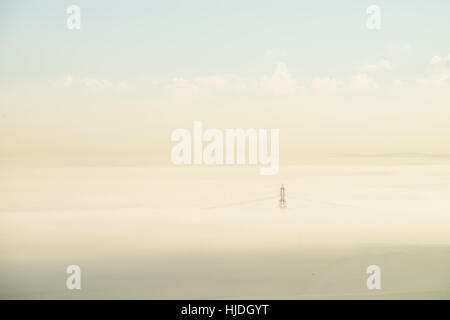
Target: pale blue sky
x=167, y=38
x=139, y=69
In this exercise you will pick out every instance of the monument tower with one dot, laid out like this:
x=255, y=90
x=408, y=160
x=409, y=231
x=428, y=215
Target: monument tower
x=282, y=197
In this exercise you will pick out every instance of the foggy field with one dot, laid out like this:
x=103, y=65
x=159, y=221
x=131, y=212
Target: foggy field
x=187, y=232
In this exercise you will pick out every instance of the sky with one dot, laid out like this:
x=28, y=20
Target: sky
x=137, y=70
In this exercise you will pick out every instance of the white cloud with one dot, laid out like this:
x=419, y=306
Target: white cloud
x=440, y=64
x=64, y=82
x=439, y=73
x=362, y=81
x=280, y=82
x=182, y=87
x=381, y=65
x=434, y=80
x=222, y=82
x=123, y=85
x=96, y=84
x=324, y=85
x=185, y=87
x=90, y=83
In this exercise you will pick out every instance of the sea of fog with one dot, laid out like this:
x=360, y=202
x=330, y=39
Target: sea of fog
x=158, y=232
